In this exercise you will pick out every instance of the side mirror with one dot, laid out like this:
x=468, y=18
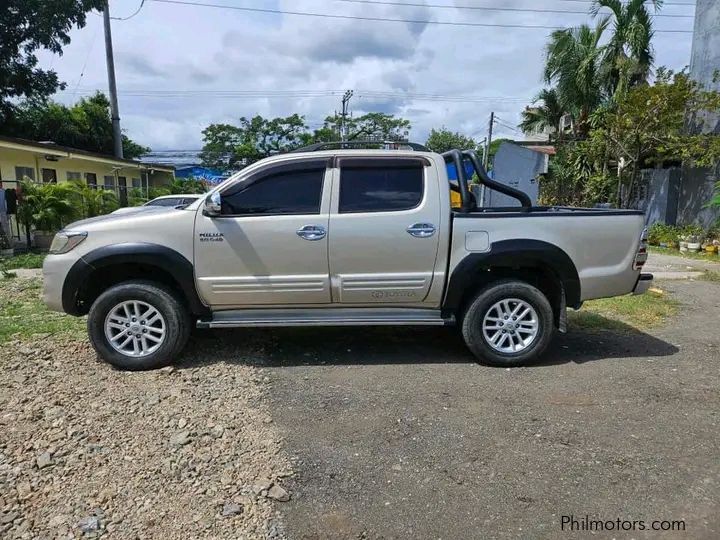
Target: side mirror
x=213, y=204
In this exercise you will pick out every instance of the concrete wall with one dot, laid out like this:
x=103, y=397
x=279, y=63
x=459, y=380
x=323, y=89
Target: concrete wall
x=705, y=56
x=657, y=195
x=677, y=196
x=517, y=167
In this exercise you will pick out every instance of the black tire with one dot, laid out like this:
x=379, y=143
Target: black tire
x=166, y=301
x=472, y=323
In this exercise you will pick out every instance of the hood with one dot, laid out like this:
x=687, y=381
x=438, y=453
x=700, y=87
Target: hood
x=130, y=213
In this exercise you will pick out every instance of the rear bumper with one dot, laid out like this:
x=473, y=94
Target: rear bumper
x=644, y=282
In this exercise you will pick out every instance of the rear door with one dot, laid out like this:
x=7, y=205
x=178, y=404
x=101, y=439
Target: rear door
x=384, y=222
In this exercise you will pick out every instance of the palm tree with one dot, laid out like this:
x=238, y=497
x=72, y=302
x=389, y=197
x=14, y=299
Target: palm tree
x=629, y=53
x=546, y=115
x=573, y=64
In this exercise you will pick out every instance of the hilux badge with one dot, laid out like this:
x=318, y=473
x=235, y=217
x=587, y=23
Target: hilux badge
x=211, y=237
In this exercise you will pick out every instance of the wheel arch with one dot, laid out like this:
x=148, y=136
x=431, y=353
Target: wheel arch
x=540, y=263
x=104, y=267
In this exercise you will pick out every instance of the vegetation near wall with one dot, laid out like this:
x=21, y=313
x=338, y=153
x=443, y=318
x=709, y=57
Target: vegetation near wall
x=606, y=118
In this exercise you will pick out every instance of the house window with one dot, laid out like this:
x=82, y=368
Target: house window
x=109, y=182
x=73, y=176
x=91, y=179
x=136, y=183
x=22, y=172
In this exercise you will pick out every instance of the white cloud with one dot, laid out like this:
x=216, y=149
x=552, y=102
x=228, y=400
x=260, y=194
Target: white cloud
x=173, y=47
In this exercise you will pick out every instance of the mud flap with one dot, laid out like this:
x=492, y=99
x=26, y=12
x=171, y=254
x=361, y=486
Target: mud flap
x=562, y=315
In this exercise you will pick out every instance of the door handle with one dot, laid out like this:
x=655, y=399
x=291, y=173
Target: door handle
x=421, y=230
x=311, y=232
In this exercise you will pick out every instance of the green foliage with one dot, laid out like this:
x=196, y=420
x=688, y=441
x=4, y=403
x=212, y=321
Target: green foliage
x=188, y=186
x=26, y=27
x=86, y=125
x=573, y=65
x=628, y=56
x=4, y=240
x=441, y=140
x=46, y=206
x=545, y=113
x=23, y=260
x=660, y=233
x=89, y=202
x=715, y=201
x=648, y=125
x=227, y=147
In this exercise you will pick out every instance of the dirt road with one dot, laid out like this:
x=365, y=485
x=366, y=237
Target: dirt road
x=398, y=433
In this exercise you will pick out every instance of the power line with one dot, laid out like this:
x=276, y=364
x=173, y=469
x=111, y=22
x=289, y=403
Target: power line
x=487, y=8
x=142, y=3
x=378, y=19
x=284, y=94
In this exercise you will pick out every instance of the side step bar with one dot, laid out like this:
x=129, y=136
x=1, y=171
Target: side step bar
x=324, y=317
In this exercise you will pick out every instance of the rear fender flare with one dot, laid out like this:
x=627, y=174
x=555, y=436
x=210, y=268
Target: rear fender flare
x=513, y=254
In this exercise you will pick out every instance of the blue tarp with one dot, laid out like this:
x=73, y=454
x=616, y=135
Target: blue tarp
x=452, y=171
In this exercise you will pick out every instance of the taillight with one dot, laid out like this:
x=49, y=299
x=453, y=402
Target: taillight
x=642, y=253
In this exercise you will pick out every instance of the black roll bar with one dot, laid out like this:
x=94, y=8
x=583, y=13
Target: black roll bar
x=492, y=184
x=456, y=158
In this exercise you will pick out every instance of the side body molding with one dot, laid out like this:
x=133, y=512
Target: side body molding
x=152, y=255
x=516, y=253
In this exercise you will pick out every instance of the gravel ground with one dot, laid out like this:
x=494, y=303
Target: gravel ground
x=184, y=452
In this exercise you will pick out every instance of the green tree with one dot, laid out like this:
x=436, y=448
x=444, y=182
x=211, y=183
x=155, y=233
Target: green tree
x=545, y=114
x=228, y=147
x=372, y=126
x=650, y=126
x=573, y=65
x=441, y=140
x=86, y=125
x=628, y=55
x=25, y=27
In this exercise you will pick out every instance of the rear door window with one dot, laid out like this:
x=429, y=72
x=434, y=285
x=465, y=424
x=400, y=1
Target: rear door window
x=380, y=188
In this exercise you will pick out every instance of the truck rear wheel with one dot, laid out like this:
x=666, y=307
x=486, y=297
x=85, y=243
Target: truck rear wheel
x=509, y=323
x=138, y=325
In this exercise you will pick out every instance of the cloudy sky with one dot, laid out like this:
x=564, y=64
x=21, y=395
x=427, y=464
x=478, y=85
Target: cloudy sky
x=182, y=67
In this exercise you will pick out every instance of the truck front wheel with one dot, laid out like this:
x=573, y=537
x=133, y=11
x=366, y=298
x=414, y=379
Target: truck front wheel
x=509, y=323
x=138, y=325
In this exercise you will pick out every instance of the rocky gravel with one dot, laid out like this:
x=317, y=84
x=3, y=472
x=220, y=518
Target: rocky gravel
x=89, y=451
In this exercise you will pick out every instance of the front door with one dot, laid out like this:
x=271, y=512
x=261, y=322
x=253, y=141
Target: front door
x=270, y=243
x=384, y=230
x=122, y=190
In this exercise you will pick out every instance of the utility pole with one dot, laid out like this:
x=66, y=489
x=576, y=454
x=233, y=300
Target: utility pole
x=345, y=100
x=114, y=109
x=489, y=140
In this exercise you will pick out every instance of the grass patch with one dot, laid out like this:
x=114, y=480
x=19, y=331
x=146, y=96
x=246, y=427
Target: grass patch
x=701, y=255
x=23, y=314
x=24, y=260
x=711, y=275
x=624, y=313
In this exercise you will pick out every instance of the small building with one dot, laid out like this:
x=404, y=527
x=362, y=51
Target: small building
x=48, y=162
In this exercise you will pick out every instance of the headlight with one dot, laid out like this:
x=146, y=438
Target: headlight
x=64, y=241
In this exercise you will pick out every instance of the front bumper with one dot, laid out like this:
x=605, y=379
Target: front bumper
x=644, y=282
x=55, y=270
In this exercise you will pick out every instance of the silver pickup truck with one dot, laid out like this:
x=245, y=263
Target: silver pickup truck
x=336, y=235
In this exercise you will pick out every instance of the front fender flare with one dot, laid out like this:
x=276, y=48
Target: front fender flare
x=162, y=257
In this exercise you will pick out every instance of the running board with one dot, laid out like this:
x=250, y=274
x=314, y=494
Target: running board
x=324, y=317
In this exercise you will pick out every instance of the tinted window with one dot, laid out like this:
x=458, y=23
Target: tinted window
x=380, y=189
x=164, y=202
x=287, y=192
